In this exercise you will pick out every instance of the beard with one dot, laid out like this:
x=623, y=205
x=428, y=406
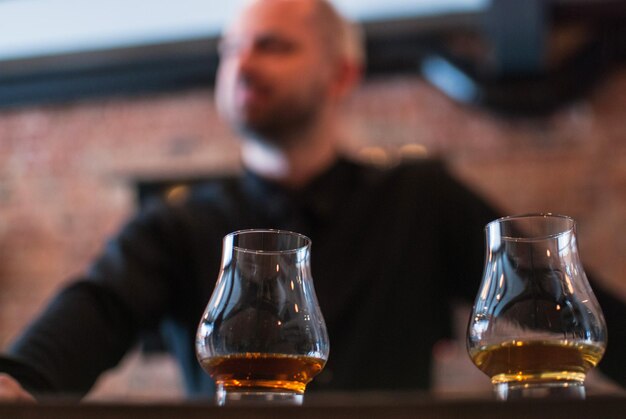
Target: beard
x=279, y=126
x=277, y=120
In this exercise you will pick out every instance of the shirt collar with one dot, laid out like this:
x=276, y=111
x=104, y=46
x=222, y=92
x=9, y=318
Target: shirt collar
x=319, y=198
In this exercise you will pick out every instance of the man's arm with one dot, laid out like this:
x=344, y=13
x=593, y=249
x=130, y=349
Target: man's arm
x=89, y=325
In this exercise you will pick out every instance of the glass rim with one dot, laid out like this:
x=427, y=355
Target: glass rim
x=544, y=215
x=307, y=240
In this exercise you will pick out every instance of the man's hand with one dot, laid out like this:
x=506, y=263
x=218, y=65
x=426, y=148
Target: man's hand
x=12, y=391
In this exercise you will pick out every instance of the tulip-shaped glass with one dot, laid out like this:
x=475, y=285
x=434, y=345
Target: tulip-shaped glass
x=262, y=337
x=536, y=327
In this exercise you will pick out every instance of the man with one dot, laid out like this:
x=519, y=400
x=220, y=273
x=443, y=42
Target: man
x=392, y=249
x=285, y=67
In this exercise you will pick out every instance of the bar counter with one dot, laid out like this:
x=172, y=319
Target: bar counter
x=375, y=406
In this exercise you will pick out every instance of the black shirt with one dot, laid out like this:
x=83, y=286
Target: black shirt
x=392, y=249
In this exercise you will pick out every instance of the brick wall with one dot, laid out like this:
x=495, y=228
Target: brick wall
x=66, y=175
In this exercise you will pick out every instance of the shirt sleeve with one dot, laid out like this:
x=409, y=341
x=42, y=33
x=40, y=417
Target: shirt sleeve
x=89, y=326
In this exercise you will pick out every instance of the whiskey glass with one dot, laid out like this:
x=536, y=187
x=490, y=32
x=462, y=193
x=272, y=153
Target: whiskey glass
x=262, y=337
x=536, y=327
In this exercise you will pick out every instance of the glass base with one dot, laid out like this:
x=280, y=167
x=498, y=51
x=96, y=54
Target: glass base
x=557, y=390
x=257, y=398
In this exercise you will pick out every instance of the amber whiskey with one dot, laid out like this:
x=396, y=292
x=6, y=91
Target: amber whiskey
x=537, y=361
x=256, y=371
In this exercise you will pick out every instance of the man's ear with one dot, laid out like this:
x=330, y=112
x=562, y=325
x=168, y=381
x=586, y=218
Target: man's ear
x=347, y=76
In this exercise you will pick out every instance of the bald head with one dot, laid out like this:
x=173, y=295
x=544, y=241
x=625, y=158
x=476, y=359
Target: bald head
x=340, y=38
x=284, y=64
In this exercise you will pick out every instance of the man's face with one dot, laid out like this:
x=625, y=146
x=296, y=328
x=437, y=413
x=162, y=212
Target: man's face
x=274, y=73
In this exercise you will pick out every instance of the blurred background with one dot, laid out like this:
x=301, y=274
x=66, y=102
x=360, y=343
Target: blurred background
x=525, y=100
